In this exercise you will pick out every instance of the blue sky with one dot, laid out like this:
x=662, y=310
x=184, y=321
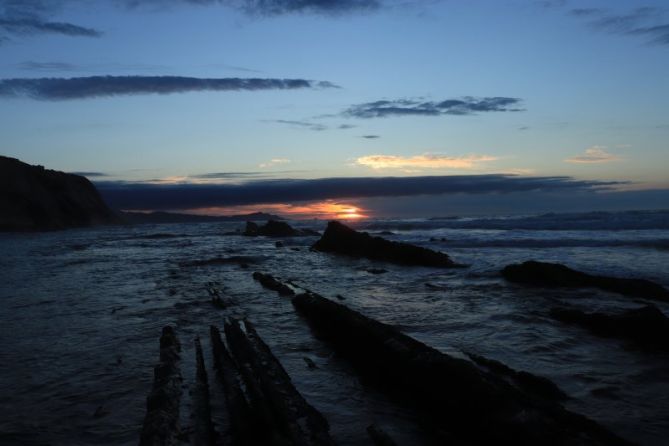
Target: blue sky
x=531, y=88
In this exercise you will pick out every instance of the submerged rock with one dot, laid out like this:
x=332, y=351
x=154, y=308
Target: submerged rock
x=526, y=381
x=269, y=282
x=341, y=239
x=161, y=423
x=379, y=437
x=555, y=275
x=282, y=413
x=452, y=394
x=647, y=326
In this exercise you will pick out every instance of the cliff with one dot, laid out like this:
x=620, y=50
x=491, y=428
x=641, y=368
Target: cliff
x=33, y=198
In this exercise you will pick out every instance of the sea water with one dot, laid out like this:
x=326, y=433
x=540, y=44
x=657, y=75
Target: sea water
x=81, y=312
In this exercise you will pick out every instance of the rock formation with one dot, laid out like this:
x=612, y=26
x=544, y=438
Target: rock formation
x=456, y=397
x=647, y=326
x=555, y=275
x=33, y=198
x=341, y=239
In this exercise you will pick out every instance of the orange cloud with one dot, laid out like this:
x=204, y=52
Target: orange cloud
x=324, y=210
x=593, y=155
x=426, y=161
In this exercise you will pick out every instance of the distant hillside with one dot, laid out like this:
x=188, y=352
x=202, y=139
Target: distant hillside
x=169, y=217
x=33, y=198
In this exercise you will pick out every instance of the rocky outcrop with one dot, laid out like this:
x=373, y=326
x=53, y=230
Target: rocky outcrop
x=341, y=239
x=285, y=417
x=647, y=326
x=456, y=397
x=203, y=429
x=275, y=228
x=161, y=423
x=555, y=275
x=527, y=382
x=268, y=281
x=33, y=198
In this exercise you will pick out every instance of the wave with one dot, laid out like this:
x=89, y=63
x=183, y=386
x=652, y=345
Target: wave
x=660, y=244
x=612, y=221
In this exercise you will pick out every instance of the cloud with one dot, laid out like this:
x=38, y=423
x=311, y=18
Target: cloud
x=90, y=174
x=233, y=175
x=274, y=162
x=302, y=124
x=318, y=127
x=584, y=12
x=28, y=18
x=648, y=22
x=278, y=7
x=426, y=161
x=47, y=66
x=414, y=107
x=122, y=195
x=18, y=26
x=272, y=7
x=594, y=155
x=55, y=89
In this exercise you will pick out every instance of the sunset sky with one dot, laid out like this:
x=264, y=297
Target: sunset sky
x=406, y=108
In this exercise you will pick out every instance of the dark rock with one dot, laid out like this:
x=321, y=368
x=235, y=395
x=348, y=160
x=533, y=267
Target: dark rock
x=341, y=239
x=377, y=270
x=310, y=362
x=161, y=423
x=606, y=392
x=269, y=282
x=555, y=275
x=100, y=412
x=242, y=422
x=647, y=326
x=216, y=299
x=203, y=429
x=452, y=394
x=290, y=418
x=33, y=198
x=379, y=436
x=272, y=228
x=526, y=381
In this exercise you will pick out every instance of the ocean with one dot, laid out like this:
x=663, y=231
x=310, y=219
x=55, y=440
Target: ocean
x=81, y=312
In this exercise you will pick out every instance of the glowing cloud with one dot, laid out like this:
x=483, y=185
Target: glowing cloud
x=593, y=155
x=426, y=161
x=274, y=162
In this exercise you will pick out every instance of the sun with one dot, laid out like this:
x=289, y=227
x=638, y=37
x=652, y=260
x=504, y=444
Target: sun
x=350, y=213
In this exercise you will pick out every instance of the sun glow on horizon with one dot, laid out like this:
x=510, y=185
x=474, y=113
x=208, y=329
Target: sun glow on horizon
x=322, y=210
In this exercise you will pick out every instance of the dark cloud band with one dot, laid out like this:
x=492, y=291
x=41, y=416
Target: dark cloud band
x=188, y=196
x=36, y=26
x=103, y=86
x=413, y=107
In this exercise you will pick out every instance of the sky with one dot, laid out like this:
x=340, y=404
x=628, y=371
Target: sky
x=349, y=108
